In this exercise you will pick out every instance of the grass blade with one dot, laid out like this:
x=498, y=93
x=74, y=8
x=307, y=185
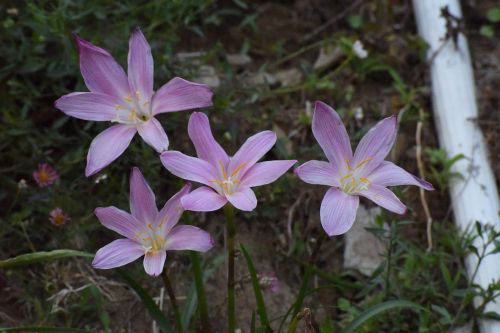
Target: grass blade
x=35, y=257
x=149, y=303
x=43, y=329
x=377, y=309
x=261, y=306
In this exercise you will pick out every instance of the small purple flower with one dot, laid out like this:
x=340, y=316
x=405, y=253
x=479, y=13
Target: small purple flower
x=58, y=217
x=365, y=173
x=128, y=101
x=227, y=178
x=269, y=282
x=45, y=175
x=148, y=232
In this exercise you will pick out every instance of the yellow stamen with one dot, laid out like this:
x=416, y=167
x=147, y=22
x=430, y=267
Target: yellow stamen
x=238, y=168
x=119, y=107
x=128, y=98
x=364, y=180
x=345, y=177
x=223, y=170
x=150, y=226
x=363, y=162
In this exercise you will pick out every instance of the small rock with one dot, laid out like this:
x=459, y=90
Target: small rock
x=208, y=76
x=326, y=57
x=289, y=77
x=262, y=78
x=363, y=251
x=239, y=59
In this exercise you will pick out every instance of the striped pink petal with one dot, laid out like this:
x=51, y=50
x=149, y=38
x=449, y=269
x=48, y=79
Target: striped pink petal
x=108, y=146
x=154, y=262
x=201, y=135
x=100, y=71
x=384, y=198
x=203, y=199
x=318, y=173
x=119, y=221
x=179, y=95
x=331, y=135
x=187, y=167
x=389, y=174
x=376, y=144
x=188, y=237
x=154, y=135
x=263, y=173
x=171, y=212
x=140, y=65
x=244, y=199
x=338, y=211
x=254, y=148
x=90, y=106
x=117, y=253
x=142, y=199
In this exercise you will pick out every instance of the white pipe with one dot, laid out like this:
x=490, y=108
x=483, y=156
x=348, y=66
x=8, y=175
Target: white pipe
x=475, y=198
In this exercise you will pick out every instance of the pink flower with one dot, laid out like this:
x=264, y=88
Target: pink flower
x=128, y=101
x=45, y=175
x=269, y=281
x=148, y=232
x=58, y=217
x=363, y=174
x=226, y=178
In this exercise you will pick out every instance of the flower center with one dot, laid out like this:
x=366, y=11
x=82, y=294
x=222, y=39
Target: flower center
x=43, y=176
x=228, y=183
x=352, y=182
x=134, y=110
x=151, y=239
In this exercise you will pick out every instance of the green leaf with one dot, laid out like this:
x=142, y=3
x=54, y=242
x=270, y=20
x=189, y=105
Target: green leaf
x=355, y=21
x=43, y=329
x=376, y=310
x=149, y=303
x=493, y=14
x=487, y=31
x=35, y=257
x=261, y=306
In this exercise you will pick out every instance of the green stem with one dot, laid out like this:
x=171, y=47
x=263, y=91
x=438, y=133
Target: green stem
x=230, y=241
x=173, y=300
x=200, y=291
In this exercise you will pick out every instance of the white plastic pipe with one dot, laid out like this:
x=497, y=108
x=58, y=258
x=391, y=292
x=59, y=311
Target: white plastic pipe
x=475, y=198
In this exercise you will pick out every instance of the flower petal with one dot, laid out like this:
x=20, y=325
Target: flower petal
x=140, y=65
x=263, y=173
x=142, y=199
x=384, y=198
x=119, y=221
x=154, y=135
x=389, y=174
x=100, y=71
x=154, y=262
x=376, y=144
x=90, y=106
x=338, y=211
x=203, y=199
x=252, y=150
x=117, y=253
x=179, y=94
x=331, y=135
x=188, y=237
x=171, y=212
x=244, y=199
x=206, y=147
x=318, y=173
x=187, y=167
x=107, y=147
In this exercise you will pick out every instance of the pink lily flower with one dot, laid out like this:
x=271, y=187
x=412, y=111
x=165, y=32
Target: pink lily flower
x=128, y=101
x=226, y=178
x=149, y=232
x=363, y=174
